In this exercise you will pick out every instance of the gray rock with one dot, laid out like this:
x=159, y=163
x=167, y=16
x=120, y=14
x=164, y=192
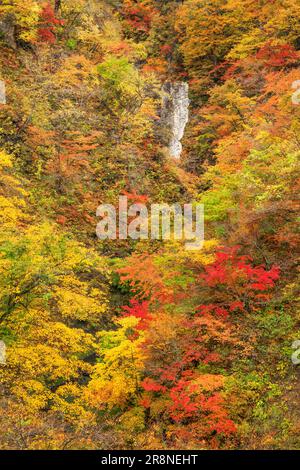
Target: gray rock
x=2, y=92
x=2, y=352
x=175, y=114
x=7, y=31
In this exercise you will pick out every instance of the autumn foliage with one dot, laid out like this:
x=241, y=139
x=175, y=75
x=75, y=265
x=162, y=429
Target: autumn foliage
x=48, y=24
x=142, y=344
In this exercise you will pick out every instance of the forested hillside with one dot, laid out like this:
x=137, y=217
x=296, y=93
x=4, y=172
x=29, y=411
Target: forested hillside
x=142, y=344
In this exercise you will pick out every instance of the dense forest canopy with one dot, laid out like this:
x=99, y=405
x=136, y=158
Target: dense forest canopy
x=140, y=344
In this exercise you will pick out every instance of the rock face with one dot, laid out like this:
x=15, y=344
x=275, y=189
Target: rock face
x=7, y=31
x=175, y=114
x=2, y=92
x=2, y=352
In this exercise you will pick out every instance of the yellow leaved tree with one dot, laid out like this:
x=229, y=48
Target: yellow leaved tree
x=53, y=298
